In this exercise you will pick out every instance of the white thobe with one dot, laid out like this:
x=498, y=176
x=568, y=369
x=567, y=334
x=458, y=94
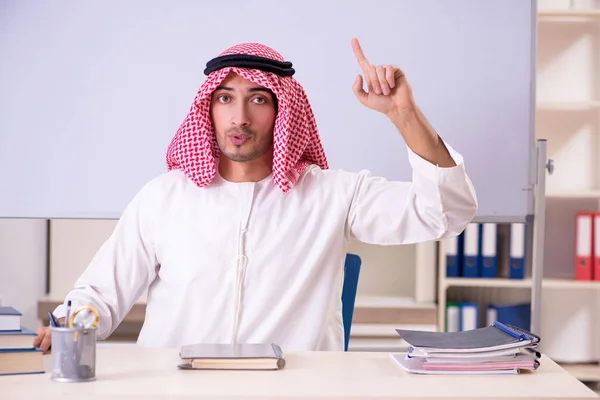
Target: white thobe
x=246, y=263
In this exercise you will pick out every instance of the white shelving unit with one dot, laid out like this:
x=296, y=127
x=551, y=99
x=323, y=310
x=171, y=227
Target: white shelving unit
x=568, y=117
x=579, y=121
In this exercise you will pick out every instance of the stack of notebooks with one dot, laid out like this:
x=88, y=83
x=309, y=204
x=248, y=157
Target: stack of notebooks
x=17, y=354
x=496, y=349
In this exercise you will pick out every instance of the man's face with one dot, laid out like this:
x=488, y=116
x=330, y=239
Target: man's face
x=243, y=115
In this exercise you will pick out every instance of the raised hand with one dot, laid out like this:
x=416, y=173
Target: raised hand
x=388, y=89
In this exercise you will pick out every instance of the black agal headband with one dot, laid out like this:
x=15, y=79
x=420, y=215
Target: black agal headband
x=282, y=68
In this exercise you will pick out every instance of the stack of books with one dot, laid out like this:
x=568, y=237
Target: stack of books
x=17, y=354
x=496, y=349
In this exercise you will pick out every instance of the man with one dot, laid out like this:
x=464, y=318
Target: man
x=244, y=238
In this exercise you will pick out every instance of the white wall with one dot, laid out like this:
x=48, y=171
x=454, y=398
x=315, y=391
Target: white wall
x=386, y=270
x=23, y=266
x=73, y=244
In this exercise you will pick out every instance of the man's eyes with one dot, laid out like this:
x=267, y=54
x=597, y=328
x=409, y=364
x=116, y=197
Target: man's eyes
x=222, y=98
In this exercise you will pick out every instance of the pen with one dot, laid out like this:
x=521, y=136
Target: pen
x=68, y=312
x=52, y=318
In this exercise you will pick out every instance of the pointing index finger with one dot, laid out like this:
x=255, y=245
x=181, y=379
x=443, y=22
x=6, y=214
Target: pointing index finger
x=358, y=53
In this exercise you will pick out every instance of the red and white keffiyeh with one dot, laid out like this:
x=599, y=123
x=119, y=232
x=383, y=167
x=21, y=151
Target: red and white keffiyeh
x=296, y=141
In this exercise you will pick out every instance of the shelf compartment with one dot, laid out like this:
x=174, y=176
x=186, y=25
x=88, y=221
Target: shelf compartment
x=520, y=283
x=487, y=282
x=576, y=194
x=568, y=105
x=569, y=13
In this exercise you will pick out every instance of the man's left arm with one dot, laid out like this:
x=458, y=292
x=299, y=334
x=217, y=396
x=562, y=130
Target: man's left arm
x=437, y=203
x=421, y=138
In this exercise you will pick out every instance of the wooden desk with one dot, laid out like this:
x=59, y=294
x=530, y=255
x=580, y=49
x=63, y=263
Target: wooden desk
x=125, y=370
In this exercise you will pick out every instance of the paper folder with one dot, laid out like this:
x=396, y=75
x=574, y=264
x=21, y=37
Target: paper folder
x=584, y=246
x=472, y=244
x=489, y=250
x=596, y=249
x=517, y=251
x=452, y=249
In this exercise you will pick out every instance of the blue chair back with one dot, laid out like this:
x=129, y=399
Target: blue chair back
x=351, y=273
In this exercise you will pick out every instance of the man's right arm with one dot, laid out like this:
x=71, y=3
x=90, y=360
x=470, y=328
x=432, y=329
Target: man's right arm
x=123, y=268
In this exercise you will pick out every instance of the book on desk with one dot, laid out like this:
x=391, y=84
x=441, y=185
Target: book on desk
x=17, y=354
x=245, y=356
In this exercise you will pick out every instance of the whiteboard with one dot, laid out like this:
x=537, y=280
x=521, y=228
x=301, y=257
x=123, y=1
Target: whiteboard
x=92, y=92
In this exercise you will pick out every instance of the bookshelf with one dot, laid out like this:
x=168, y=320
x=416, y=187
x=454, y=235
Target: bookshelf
x=568, y=117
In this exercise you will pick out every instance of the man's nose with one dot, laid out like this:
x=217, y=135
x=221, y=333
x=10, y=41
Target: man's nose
x=240, y=116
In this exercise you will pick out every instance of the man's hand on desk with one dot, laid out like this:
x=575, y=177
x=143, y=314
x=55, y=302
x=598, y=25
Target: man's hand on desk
x=43, y=340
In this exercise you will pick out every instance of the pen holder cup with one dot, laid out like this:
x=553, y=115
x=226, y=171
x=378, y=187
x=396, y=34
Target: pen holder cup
x=73, y=354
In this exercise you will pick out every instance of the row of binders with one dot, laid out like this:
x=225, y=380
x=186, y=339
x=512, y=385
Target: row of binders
x=587, y=246
x=487, y=250
x=464, y=316
x=495, y=349
x=17, y=354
